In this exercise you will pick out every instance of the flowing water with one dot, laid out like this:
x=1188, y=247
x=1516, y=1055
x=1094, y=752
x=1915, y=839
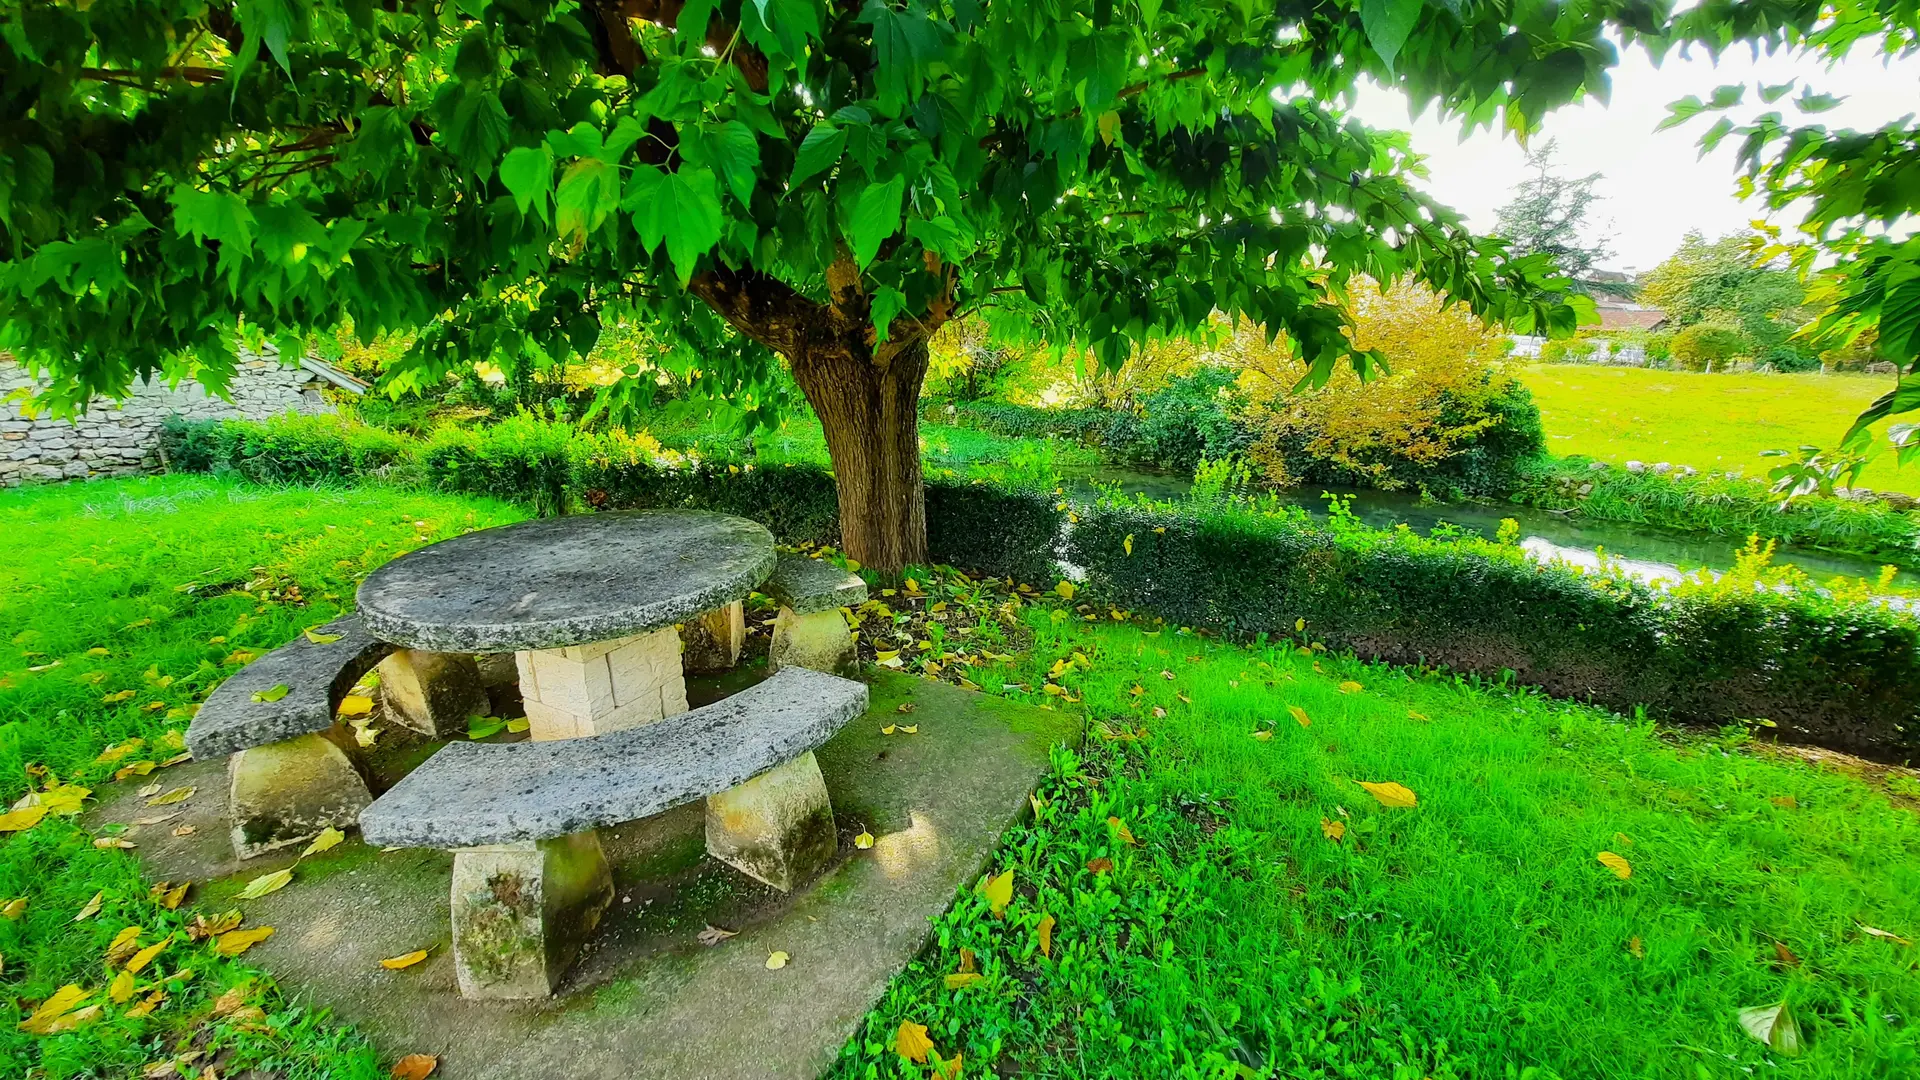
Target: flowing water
x=1644, y=551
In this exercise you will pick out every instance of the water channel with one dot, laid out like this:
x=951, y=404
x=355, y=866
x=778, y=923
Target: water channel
x=1644, y=551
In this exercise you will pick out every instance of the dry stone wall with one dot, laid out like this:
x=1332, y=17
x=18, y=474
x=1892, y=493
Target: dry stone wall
x=117, y=438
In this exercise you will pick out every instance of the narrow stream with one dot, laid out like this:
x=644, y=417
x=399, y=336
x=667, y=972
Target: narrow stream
x=1644, y=551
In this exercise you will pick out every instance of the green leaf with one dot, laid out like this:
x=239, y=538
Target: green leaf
x=479, y=129
x=819, y=151
x=480, y=727
x=1387, y=23
x=589, y=191
x=876, y=217
x=887, y=302
x=213, y=215
x=528, y=174
x=1681, y=111
x=275, y=693
x=731, y=149
x=680, y=208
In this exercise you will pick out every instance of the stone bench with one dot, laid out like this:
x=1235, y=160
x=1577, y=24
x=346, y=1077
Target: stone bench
x=530, y=880
x=290, y=770
x=810, y=632
x=289, y=776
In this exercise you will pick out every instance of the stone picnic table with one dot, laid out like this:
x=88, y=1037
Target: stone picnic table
x=588, y=605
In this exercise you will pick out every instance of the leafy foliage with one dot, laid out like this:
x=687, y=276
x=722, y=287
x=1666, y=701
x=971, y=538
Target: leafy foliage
x=1751, y=309
x=1548, y=214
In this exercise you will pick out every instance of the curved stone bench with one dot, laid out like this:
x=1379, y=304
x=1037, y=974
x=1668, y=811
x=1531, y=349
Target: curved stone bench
x=287, y=779
x=530, y=880
x=809, y=632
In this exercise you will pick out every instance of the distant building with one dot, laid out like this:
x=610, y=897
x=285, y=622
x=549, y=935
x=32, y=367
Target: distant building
x=1627, y=315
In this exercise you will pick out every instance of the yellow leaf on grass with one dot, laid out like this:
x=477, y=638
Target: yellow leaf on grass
x=355, y=705
x=1785, y=802
x=1420, y=716
x=777, y=960
x=91, y=909
x=52, y=1009
x=121, y=988
x=864, y=840
x=1351, y=687
x=22, y=819
x=147, y=1004
x=1333, y=830
x=397, y=963
x=1621, y=868
x=118, y=750
x=170, y=898
x=909, y=729
x=145, y=956
x=1120, y=830
x=963, y=979
x=1299, y=715
x=235, y=942
x=329, y=837
x=122, y=944
x=1391, y=795
x=265, y=884
x=1047, y=923
x=999, y=892
x=1874, y=931
x=1066, y=589
x=911, y=1041
x=1263, y=735
x=1774, y=1027
x=415, y=1067
x=14, y=909
x=1635, y=947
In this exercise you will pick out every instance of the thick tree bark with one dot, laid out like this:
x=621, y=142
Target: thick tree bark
x=870, y=413
x=867, y=398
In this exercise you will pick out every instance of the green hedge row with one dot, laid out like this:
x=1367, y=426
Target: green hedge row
x=1723, y=505
x=1843, y=673
x=1837, y=671
x=555, y=468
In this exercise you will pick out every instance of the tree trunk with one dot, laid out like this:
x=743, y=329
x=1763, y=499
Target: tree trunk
x=869, y=411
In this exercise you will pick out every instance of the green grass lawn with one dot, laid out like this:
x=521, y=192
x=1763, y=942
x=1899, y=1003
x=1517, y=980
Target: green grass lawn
x=1474, y=934
x=1712, y=422
x=962, y=450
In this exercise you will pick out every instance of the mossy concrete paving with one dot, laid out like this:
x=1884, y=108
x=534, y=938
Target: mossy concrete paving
x=647, y=999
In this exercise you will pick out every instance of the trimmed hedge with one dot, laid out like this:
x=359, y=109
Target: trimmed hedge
x=1836, y=671
x=1840, y=673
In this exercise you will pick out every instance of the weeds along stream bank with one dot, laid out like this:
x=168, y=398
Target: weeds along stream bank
x=1755, y=647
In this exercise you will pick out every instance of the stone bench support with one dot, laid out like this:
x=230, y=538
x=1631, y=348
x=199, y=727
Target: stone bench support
x=287, y=792
x=777, y=827
x=522, y=911
x=810, y=631
x=711, y=641
x=608, y=686
x=432, y=693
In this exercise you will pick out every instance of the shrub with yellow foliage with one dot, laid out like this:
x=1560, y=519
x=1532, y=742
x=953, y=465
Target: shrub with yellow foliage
x=1448, y=418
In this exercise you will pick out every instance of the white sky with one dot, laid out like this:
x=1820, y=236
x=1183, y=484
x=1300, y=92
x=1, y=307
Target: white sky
x=1655, y=189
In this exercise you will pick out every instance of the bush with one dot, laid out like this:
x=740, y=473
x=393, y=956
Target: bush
x=1567, y=351
x=287, y=450
x=1704, y=346
x=1843, y=673
x=522, y=458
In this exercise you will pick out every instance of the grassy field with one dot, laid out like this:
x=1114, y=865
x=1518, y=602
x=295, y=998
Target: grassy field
x=1711, y=422
x=1223, y=897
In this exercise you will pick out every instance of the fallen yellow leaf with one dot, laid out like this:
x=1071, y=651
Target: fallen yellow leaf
x=320, y=639
x=1120, y=830
x=22, y=819
x=1621, y=868
x=355, y=705
x=1065, y=589
x=415, y=1067
x=1299, y=715
x=328, y=838
x=121, y=988
x=145, y=956
x=146, y=1005
x=1047, y=923
x=777, y=960
x=1874, y=931
x=179, y=794
x=397, y=963
x=265, y=884
x=91, y=908
x=1391, y=795
x=1420, y=716
x=864, y=840
x=122, y=945
x=1636, y=948
x=1333, y=830
x=113, y=842
x=1263, y=735
x=62, y=1001
x=999, y=892
x=14, y=909
x=963, y=979
x=1351, y=687
x=235, y=942
x=1128, y=543
x=911, y=1041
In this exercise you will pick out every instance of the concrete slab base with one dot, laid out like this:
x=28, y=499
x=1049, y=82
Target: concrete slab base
x=645, y=999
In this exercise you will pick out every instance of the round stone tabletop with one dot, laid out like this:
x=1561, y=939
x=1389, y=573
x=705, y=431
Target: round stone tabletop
x=565, y=581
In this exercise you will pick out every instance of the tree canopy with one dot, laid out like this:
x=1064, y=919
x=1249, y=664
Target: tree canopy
x=828, y=181
x=1719, y=283
x=1548, y=214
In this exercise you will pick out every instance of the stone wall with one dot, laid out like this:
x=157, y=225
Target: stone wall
x=116, y=438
